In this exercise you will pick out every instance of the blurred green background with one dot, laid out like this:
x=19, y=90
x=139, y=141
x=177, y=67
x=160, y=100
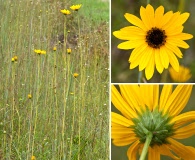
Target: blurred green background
x=120, y=153
x=120, y=72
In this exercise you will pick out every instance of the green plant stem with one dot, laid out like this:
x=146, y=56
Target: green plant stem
x=181, y=5
x=148, y=1
x=139, y=77
x=164, y=76
x=146, y=146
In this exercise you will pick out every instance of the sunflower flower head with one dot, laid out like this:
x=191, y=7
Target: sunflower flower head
x=65, y=12
x=75, y=7
x=155, y=39
x=75, y=75
x=69, y=50
x=15, y=58
x=149, y=118
x=29, y=96
x=182, y=76
x=38, y=51
x=33, y=158
x=54, y=48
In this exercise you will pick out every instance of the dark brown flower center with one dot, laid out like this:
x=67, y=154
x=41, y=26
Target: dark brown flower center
x=156, y=37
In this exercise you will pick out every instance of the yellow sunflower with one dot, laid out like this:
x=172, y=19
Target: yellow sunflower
x=75, y=75
x=75, y=7
x=182, y=76
x=155, y=39
x=33, y=158
x=69, y=50
x=151, y=123
x=38, y=51
x=65, y=12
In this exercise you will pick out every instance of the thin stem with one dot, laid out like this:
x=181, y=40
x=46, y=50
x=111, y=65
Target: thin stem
x=181, y=5
x=164, y=76
x=148, y=1
x=146, y=146
x=139, y=77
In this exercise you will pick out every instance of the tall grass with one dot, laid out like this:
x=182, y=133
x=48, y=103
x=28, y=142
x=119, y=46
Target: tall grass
x=67, y=117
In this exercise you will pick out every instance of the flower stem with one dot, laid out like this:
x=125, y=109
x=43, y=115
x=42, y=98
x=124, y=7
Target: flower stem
x=146, y=146
x=148, y=1
x=181, y=5
x=139, y=77
x=164, y=76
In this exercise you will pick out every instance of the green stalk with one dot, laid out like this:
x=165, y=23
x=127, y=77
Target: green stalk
x=139, y=77
x=148, y=1
x=164, y=76
x=181, y=5
x=146, y=146
x=82, y=90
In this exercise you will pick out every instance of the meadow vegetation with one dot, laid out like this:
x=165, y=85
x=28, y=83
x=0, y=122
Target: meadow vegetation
x=45, y=110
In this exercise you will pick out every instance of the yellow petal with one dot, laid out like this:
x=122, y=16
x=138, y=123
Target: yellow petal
x=167, y=16
x=153, y=153
x=170, y=32
x=120, y=120
x=165, y=94
x=164, y=57
x=147, y=16
x=173, y=60
x=130, y=44
x=133, y=30
x=145, y=58
x=124, y=141
x=128, y=35
x=180, y=100
x=120, y=104
x=180, y=20
x=120, y=132
x=150, y=14
x=131, y=94
x=174, y=49
x=158, y=16
x=135, y=55
x=158, y=62
x=152, y=93
x=183, y=36
x=183, y=18
x=183, y=118
x=155, y=96
x=164, y=150
x=181, y=150
x=177, y=42
x=133, y=150
x=171, y=21
x=184, y=132
x=149, y=71
x=135, y=21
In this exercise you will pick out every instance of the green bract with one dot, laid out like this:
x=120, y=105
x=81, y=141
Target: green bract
x=154, y=122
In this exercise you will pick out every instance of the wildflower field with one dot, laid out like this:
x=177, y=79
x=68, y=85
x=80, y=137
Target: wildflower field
x=54, y=80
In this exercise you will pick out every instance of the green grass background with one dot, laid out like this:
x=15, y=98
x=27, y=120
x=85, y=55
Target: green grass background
x=67, y=117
